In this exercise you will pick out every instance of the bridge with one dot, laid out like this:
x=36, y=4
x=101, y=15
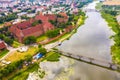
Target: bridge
x=91, y=10
x=104, y=64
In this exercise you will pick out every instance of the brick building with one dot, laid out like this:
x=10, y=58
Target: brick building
x=2, y=45
x=25, y=29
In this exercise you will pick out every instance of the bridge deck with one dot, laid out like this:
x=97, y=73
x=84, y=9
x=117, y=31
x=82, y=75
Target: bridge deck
x=91, y=10
x=89, y=60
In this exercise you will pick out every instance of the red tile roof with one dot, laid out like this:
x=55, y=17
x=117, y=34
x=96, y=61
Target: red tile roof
x=112, y=3
x=62, y=20
x=2, y=45
x=41, y=17
x=32, y=30
x=47, y=26
x=63, y=14
x=23, y=25
x=51, y=17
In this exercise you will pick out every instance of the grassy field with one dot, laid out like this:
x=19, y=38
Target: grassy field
x=18, y=55
x=3, y=53
x=52, y=56
x=16, y=44
x=41, y=38
x=80, y=21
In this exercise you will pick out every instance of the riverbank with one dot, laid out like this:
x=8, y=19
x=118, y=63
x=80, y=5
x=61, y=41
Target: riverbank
x=115, y=49
x=91, y=40
x=66, y=36
x=113, y=24
x=17, y=74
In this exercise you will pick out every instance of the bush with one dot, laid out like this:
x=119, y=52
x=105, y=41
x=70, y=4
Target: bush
x=8, y=40
x=42, y=50
x=10, y=68
x=30, y=39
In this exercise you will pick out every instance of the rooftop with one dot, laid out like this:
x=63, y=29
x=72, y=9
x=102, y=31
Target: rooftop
x=112, y=3
x=2, y=45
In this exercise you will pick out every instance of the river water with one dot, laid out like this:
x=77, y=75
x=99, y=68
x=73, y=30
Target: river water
x=91, y=40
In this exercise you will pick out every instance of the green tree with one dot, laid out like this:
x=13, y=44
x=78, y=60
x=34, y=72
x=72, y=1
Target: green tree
x=42, y=50
x=25, y=17
x=39, y=46
x=28, y=58
x=52, y=33
x=53, y=22
x=30, y=39
x=1, y=36
x=8, y=40
x=36, y=22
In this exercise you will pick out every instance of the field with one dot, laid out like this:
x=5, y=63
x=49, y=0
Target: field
x=41, y=38
x=3, y=53
x=16, y=44
x=52, y=56
x=18, y=55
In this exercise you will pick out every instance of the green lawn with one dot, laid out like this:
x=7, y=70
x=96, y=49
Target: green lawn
x=41, y=38
x=52, y=56
x=16, y=44
x=3, y=53
x=16, y=56
x=23, y=74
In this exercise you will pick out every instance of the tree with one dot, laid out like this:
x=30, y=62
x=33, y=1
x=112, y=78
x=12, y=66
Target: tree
x=36, y=22
x=28, y=58
x=52, y=33
x=53, y=22
x=8, y=40
x=8, y=18
x=42, y=50
x=25, y=17
x=10, y=68
x=30, y=39
x=1, y=36
x=39, y=46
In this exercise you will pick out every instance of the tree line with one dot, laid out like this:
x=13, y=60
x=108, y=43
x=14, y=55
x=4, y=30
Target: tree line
x=8, y=18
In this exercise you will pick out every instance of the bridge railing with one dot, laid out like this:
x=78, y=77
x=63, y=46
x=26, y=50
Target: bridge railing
x=90, y=60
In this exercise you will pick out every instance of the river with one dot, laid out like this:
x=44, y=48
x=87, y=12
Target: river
x=91, y=40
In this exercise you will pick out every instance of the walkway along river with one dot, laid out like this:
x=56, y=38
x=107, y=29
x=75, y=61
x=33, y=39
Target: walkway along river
x=91, y=40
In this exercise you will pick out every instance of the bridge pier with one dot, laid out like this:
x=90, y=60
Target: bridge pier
x=80, y=56
x=91, y=59
x=113, y=66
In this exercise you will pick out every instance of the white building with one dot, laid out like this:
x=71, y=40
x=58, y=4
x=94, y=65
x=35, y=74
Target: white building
x=7, y=3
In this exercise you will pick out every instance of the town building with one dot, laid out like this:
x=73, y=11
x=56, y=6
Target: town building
x=2, y=45
x=63, y=18
x=7, y=3
x=111, y=3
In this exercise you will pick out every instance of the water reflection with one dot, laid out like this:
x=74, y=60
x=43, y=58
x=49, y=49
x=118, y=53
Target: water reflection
x=91, y=39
